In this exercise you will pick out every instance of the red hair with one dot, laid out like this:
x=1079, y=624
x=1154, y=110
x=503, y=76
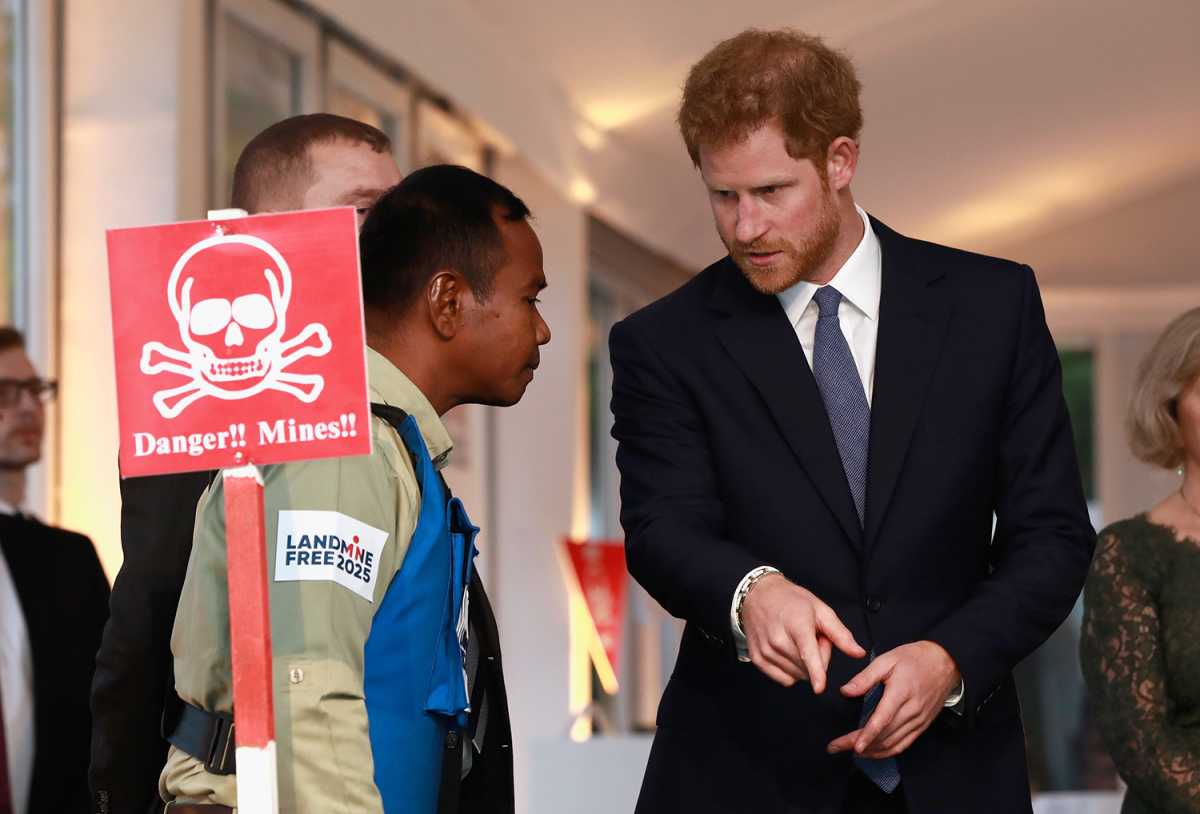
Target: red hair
x=786, y=76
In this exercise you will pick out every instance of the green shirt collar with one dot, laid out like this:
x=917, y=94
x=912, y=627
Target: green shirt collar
x=390, y=386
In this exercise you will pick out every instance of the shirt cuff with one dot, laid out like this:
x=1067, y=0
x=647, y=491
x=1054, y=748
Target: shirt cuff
x=739, y=637
x=954, y=701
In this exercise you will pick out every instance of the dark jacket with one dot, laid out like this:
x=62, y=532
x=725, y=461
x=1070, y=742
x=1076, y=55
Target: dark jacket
x=728, y=462
x=64, y=596
x=489, y=785
x=134, y=674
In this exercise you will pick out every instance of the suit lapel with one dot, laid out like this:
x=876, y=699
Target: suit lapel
x=913, y=315
x=757, y=334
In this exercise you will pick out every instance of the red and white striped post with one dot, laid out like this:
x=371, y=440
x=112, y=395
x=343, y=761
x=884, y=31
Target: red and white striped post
x=250, y=641
x=321, y=249
x=250, y=630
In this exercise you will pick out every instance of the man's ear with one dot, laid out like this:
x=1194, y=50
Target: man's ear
x=841, y=163
x=446, y=296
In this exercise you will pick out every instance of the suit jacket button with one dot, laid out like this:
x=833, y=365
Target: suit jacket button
x=874, y=604
x=452, y=740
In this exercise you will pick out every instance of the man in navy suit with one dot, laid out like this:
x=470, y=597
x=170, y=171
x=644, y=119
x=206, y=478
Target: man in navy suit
x=814, y=437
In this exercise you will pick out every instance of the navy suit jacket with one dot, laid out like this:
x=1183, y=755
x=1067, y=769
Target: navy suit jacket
x=728, y=462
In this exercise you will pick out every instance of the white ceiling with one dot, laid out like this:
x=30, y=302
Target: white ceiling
x=990, y=124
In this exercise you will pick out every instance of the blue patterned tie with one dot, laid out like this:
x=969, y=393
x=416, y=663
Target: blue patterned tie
x=850, y=418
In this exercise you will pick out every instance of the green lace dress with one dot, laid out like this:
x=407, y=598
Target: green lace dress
x=1140, y=653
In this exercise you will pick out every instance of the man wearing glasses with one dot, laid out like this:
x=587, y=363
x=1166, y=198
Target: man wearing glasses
x=53, y=606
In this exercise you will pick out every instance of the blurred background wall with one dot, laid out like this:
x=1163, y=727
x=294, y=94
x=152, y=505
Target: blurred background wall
x=1059, y=134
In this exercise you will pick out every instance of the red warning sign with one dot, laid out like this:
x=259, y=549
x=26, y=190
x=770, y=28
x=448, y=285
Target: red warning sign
x=238, y=341
x=597, y=572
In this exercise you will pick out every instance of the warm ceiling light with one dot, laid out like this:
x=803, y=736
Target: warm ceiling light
x=612, y=113
x=1015, y=207
x=582, y=192
x=589, y=135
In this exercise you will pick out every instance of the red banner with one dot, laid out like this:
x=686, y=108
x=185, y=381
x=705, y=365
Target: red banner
x=598, y=572
x=238, y=341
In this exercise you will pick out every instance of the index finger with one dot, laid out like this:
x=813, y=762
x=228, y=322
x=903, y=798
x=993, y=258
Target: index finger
x=844, y=743
x=831, y=626
x=880, y=719
x=810, y=653
x=868, y=677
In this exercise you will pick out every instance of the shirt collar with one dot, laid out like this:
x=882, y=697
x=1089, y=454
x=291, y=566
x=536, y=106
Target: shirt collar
x=858, y=280
x=7, y=508
x=390, y=386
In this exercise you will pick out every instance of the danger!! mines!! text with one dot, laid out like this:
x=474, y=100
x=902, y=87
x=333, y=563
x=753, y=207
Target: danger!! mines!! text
x=281, y=431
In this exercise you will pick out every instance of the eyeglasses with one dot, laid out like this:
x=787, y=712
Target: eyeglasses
x=42, y=390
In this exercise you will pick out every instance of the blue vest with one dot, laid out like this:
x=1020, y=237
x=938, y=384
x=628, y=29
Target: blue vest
x=414, y=681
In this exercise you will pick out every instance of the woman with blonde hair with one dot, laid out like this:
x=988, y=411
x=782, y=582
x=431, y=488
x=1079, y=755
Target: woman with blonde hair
x=1141, y=632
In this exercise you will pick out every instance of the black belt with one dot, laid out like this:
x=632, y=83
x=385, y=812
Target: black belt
x=206, y=736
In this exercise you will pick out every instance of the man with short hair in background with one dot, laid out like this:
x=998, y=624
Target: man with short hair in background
x=53, y=604
x=305, y=162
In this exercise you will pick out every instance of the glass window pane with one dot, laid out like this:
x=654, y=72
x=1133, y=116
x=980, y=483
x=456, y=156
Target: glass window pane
x=443, y=139
x=345, y=102
x=7, y=162
x=262, y=86
x=1064, y=748
x=600, y=321
x=1079, y=388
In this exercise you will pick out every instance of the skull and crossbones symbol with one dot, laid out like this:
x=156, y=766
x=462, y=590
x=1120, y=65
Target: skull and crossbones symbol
x=229, y=295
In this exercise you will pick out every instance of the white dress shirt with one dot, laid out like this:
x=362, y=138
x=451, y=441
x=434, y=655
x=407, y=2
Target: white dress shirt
x=859, y=281
x=16, y=682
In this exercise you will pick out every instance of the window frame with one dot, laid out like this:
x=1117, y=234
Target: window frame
x=36, y=151
x=286, y=28
x=624, y=276
x=453, y=137
x=347, y=68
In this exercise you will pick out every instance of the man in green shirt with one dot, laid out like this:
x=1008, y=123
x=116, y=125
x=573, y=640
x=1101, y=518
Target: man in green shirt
x=451, y=275
x=309, y=161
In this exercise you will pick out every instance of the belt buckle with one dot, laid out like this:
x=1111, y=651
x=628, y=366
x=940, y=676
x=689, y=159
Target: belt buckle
x=221, y=749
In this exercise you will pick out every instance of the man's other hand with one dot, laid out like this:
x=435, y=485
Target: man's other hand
x=791, y=634
x=917, y=678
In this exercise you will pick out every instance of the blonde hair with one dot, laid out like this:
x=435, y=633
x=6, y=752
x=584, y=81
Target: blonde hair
x=1170, y=367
